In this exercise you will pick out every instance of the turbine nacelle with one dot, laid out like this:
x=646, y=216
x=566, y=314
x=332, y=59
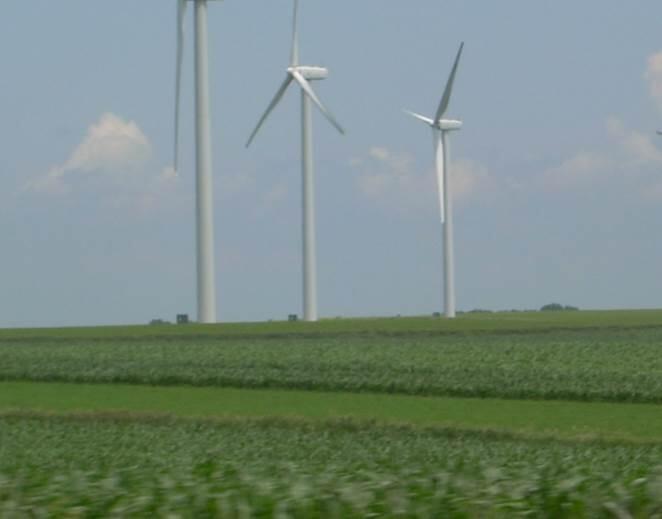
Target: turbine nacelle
x=301, y=75
x=449, y=125
x=445, y=125
x=310, y=73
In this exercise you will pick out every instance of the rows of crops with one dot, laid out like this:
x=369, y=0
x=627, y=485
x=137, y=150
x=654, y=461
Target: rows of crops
x=623, y=365
x=111, y=465
x=99, y=467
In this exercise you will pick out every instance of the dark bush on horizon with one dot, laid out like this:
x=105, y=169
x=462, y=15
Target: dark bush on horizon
x=556, y=307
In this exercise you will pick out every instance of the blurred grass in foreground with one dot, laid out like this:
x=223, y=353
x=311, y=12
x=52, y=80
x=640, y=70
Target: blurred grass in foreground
x=111, y=466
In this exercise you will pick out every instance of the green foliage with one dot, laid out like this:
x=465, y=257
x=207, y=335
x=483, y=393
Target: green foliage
x=609, y=365
x=115, y=467
x=556, y=307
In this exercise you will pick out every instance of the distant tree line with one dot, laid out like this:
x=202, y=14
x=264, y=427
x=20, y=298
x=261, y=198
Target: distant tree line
x=551, y=307
x=556, y=307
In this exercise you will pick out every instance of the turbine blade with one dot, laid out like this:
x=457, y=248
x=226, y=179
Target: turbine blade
x=659, y=132
x=272, y=105
x=439, y=166
x=443, y=106
x=181, y=18
x=294, y=60
x=311, y=93
x=420, y=117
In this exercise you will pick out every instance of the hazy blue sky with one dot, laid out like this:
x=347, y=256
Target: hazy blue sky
x=558, y=168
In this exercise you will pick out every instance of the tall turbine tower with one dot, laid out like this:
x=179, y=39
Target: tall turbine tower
x=302, y=74
x=441, y=127
x=206, y=289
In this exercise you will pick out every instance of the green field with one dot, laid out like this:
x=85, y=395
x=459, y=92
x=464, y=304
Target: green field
x=81, y=466
x=491, y=415
x=584, y=364
x=568, y=420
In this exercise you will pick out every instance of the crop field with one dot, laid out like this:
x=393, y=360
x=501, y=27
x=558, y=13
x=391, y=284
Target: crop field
x=120, y=466
x=610, y=365
x=491, y=415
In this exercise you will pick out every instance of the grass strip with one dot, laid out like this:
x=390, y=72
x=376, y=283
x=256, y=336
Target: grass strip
x=563, y=420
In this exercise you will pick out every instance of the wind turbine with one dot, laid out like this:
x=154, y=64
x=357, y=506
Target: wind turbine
x=302, y=75
x=441, y=127
x=206, y=282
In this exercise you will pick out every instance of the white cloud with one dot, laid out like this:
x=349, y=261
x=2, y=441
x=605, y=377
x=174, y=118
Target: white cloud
x=111, y=147
x=391, y=177
x=654, y=77
x=631, y=160
x=112, y=164
x=150, y=193
x=384, y=173
x=639, y=146
x=379, y=153
x=470, y=178
x=580, y=170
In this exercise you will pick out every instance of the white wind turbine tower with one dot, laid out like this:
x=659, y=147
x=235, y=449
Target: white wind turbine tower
x=441, y=128
x=206, y=282
x=302, y=74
